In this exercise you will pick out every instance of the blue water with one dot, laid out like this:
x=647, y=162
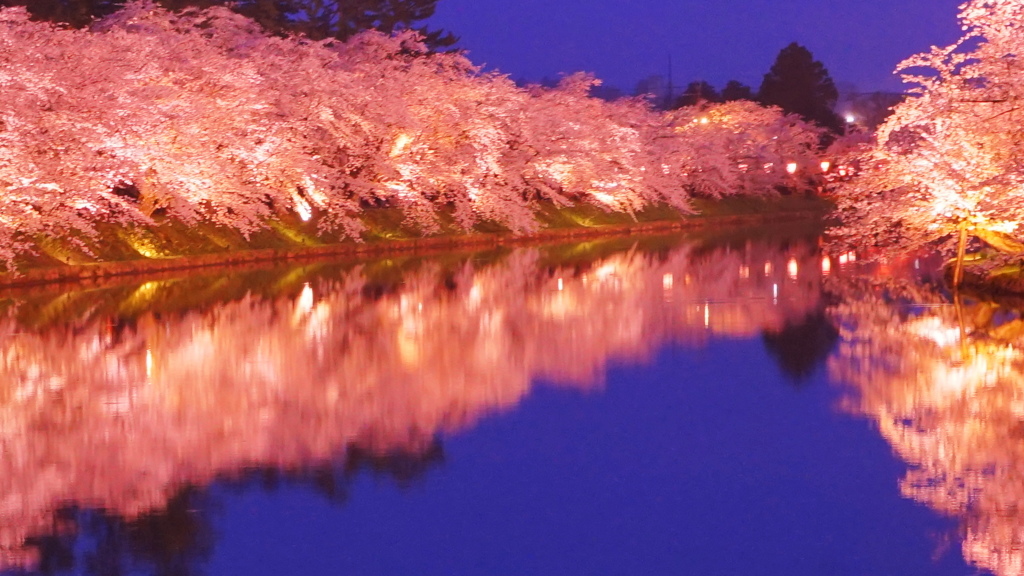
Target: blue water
x=698, y=452
x=706, y=461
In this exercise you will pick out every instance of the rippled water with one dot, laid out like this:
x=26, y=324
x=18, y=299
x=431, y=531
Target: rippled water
x=650, y=405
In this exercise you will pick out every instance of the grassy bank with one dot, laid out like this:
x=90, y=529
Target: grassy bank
x=171, y=245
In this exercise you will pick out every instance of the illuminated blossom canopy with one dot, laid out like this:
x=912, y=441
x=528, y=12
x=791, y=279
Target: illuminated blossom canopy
x=201, y=117
x=948, y=162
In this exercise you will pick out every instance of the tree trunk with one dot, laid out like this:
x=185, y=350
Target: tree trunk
x=961, y=250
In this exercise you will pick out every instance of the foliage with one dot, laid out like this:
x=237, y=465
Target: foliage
x=948, y=161
x=697, y=93
x=202, y=117
x=316, y=19
x=799, y=84
x=736, y=90
x=740, y=148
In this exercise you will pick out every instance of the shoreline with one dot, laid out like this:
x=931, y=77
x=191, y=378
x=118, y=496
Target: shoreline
x=98, y=271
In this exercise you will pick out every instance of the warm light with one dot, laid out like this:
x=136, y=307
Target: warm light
x=767, y=268
x=850, y=118
x=791, y=168
x=825, y=165
x=826, y=265
x=561, y=285
x=401, y=143
x=704, y=120
x=744, y=272
x=707, y=316
x=843, y=259
x=305, y=302
x=302, y=207
x=792, y=268
x=666, y=281
x=606, y=271
x=935, y=330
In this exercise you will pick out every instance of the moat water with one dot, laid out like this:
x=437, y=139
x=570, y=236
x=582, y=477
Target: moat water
x=657, y=405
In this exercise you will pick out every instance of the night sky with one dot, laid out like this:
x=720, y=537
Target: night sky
x=622, y=41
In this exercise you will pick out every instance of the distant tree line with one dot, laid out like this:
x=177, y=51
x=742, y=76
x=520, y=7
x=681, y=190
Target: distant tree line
x=316, y=19
x=796, y=83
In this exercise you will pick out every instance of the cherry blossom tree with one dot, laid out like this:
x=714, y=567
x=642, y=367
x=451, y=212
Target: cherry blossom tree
x=947, y=164
x=742, y=148
x=200, y=116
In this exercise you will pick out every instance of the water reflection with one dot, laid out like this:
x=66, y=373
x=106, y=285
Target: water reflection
x=121, y=399
x=945, y=384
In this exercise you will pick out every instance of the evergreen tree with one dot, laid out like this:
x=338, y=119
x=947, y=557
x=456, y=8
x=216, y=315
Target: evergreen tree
x=696, y=93
x=317, y=19
x=735, y=90
x=801, y=85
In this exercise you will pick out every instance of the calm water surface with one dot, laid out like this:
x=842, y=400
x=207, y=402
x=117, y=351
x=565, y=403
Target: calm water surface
x=630, y=406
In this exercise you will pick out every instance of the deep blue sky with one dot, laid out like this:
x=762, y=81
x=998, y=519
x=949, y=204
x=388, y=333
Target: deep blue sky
x=622, y=41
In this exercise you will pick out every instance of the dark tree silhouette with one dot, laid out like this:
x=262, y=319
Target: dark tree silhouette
x=317, y=19
x=801, y=85
x=697, y=93
x=800, y=348
x=736, y=90
x=174, y=541
x=179, y=539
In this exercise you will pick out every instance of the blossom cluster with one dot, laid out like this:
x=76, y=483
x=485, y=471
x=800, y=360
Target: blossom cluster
x=948, y=162
x=201, y=116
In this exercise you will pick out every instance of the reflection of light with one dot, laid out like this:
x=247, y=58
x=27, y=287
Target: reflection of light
x=847, y=258
x=775, y=291
x=707, y=315
x=606, y=270
x=825, y=165
x=826, y=264
x=149, y=363
x=305, y=302
x=933, y=329
x=744, y=272
x=704, y=120
x=791, y=168
x=560, y=284
x=767, y=268
x=666, y=281
x=792, y=268
x=475, y=295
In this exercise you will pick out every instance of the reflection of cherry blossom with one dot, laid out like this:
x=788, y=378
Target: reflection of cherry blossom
x=945, y=385
x=118, y=414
